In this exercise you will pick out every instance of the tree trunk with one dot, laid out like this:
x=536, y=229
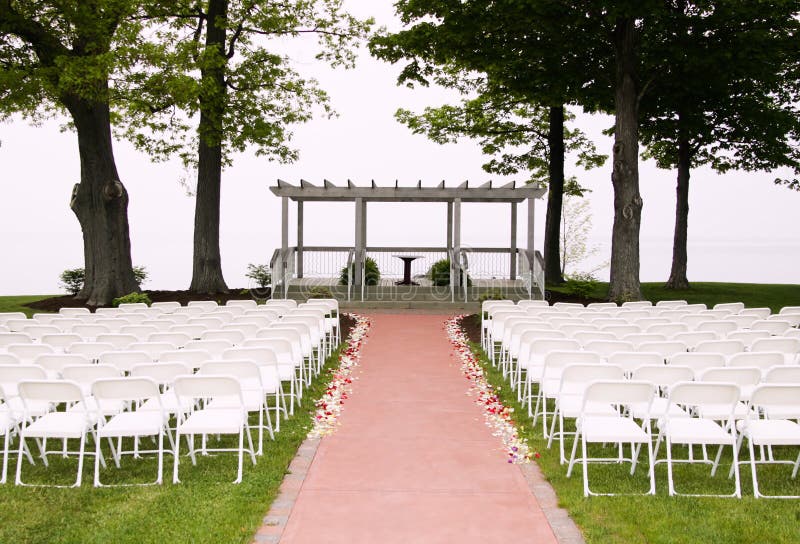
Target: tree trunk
x=677, y=276
x=555, y=197
x=100, y=202
x=624, y=284
x=207, y=263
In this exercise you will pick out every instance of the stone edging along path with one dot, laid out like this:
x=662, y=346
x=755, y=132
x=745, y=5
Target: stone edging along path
x=496, y=416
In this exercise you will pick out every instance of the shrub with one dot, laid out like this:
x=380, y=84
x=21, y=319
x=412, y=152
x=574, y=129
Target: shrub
x=372, y=274
x=320, y=292
x=72, y=279
x=580, y=285
x=494, y=294
x=440, y=273
x=131, y=298
x=259, y=273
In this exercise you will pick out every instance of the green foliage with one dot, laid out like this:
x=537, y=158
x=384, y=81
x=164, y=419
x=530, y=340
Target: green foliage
x=494, y=294
x=319, y=291
x=260, y=274
x=132, y=298
x=72, y=280
x=439, y=273
x=581, y=284
x=371, y=272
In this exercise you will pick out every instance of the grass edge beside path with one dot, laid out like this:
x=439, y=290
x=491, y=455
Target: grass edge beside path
x=18, y=303
x=655, y=519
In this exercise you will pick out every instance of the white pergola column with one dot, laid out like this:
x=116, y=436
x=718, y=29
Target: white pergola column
x=531, y=217
x=299, y=238
x=283, y=264
x=449, y=226
x=360, y=242
x=513, y=264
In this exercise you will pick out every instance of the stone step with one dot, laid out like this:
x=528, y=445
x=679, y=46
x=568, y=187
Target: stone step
x=420, y=305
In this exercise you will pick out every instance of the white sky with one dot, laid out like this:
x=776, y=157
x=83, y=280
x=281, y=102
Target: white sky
x=741, y=226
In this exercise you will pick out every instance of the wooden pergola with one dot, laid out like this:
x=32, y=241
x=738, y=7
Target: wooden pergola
x=511, y=193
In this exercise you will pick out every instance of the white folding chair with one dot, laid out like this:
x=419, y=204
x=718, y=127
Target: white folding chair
x=273, y=373
x=667, y=348
x=37, y=330
x=637, y=304
x=205, y=305
x=670, y=303
x=74, y=311
x=783, y=374
x=214, y=347
x=790, y=347
x=792, y=318
x=719, y=327
x=743, y=322
x=763, y=360
x=746, y=377
x=64, y=425
x=629, y=361
x=234, y=337
x=530, y=368
x=601, y=305
x=601, y=427
x=663, y=377
x=9, y=338
x=90, y=331
x=247, y=304
x=693, y=338
x=176, y=339
x=27, y=353
x=760, y=313
x=747, y=337
x=639, y=338
x=703, y=431
x=779, y=406
x=141, y=332
x=254, y=394
x=620, y=331
x=725, y=347
x=166, y=307
x=584, y=337
x=774, y=327
x=150, y=421
x=205, y=417
x=131, y=307
x=698, y=362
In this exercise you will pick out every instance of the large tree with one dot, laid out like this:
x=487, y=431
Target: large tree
x=58, y=57
x=223, y=61
x=518, y=50
x=725, y=96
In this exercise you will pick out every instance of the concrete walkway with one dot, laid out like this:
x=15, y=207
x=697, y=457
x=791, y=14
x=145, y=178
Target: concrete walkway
x=413, y=460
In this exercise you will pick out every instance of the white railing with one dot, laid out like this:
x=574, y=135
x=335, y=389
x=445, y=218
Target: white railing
x=531, y=266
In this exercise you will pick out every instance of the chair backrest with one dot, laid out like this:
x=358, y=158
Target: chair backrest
x=637, y=304
x=575, y=378
x=698, y=362
x=207, y=386
x=207, y=305
x=759, y=359
x=90, y=349
x=176, y=339
x=36, y=330
x=719, y=327
x=601, y=305
x=781, y=398
x=207, y=321
x=760, y=313
x=618, y=392
x=8, y=338
x=726, y=347
x=243, y=370
x=85, y=375
x=248, y=330
x=260, y=356
x=8, y=359
x=544, y=346
x=670, y=303
x=214, y=347
x=717, y=314
x=130, y=389
x=29, y=352
x=773, y=326
x=557, y=360
x=693, y=338
x=747, y=337
x=292, y=336
x=285, y=302
x=633, y=316
x=194, y=331
x=666, y=348
x=733, y=307
x=53, y=363
x=12, y=374
x=663, y=376
x=249, y=303
x=132, y=307
x=741, y=376
x=175, y=319
x=789, y=310
x=639, y=338
x=141, y=332
x=607, y=347
x=783, y=374
x=792, y=318
x=788, y=346
x=285, y=350
x=525, y=304
x=154, y=349
x=234, y=337
x=90, y=331
x=568, y=306
x=584, y=337
x=742, y=321
x=629, y=361
x=166, y=307
x=118, y=340
x=700, y=393
x=57, y=391
x=73, y=311
x=190, y=357
x=124, y=360
x=161, y=373
x=621, y=331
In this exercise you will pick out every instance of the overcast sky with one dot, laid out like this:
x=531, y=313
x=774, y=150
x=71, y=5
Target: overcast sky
x=741, y=226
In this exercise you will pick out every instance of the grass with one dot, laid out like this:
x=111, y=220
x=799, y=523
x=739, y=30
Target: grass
x=660, y=518
x=17, y=303
x=205, y=508
x=774, y=296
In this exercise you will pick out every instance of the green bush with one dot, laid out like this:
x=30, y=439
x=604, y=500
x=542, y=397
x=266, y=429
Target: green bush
x=259, y=273
x=439, y=273
x=131, y=298
x=72, y=279
x=494, y=294
x=372, y=274
x=580, y=285
x=320, y=292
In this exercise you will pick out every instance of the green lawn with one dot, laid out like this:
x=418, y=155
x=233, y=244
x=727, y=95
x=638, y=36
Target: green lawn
x=660, y=518
x=753, y=295
x=17, y=303
x=205, y=508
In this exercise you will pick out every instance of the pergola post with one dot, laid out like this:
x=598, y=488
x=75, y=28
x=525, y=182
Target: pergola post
x=531, y=204
x=513, y=263
x=284, y=265
x=299, y=238
x=360, y=230
x=454, y=268
x=449, y=226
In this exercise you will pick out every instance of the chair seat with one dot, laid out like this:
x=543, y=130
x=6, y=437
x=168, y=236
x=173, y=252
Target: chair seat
x=36, y=408
x=611, y=429
x=777, y=432
x=139, y=423
x=59, y=425
x=723, y=411
x=658, y=409
x=571, y=405
x=218, y=421
x=253, y=401
x=695, y=431
x=106, y=407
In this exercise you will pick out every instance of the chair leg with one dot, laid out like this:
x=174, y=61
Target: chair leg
x=241, y=456
x=175, y=462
